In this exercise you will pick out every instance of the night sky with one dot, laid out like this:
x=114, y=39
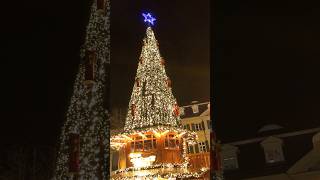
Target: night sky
x=41, y=56
x=182, y=30
x=265, y=57
x=266, y=66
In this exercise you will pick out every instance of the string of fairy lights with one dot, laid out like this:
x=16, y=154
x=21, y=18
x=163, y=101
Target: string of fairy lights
x=86, y=114
x=153, y=171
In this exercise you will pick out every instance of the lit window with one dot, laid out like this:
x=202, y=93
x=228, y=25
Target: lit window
x=171, y=142
x=147, y=145
x=197, y=127
x=202, y=146
x=143, y=144
x=138, y=146
x=195, y=109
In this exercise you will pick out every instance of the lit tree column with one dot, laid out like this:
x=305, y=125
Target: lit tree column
x=152, y=102
x=87, y=118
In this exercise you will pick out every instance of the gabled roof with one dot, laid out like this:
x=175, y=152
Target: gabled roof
x=188, y=112
x=297, y=151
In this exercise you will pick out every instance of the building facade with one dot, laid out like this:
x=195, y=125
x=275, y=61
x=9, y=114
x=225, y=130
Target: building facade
x=196, y=117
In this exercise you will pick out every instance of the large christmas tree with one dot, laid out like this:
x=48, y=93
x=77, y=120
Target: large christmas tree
x=84, y=141
x=153, y=144
x=152, y=102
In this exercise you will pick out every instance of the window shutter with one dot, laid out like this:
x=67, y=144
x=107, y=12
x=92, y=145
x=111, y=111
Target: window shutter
x=193, y=127
x=202, y=126
x=208, y=124
x=196, y=147
x=207, y=146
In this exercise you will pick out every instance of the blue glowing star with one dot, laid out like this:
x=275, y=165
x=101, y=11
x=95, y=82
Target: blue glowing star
x=148, y=18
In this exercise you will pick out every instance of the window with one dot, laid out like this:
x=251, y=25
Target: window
x=272, y=147
x=229, y=157
x=273, y=156
x=187, y=126
x=202, y=146
x=146, y=143
x=171, y=142
x=230, y=163
x=190, y=149
x=202, y=126
x=195, y=109
x=138, y=146
x=197, y=127
x=114, y=160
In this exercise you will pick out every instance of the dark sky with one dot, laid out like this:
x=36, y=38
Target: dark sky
x=41, y=53
x=182, y=30
x=266, y=66
x=265, y=53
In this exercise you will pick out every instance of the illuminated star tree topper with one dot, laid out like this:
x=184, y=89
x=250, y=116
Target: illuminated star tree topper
x=148, y=18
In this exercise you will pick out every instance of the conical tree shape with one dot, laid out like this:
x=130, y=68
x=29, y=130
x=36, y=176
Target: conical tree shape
x=152, y=102
x=84, y=141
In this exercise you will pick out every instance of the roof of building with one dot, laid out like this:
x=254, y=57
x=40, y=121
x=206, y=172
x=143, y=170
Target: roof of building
x=188, y=111
x=251, y=156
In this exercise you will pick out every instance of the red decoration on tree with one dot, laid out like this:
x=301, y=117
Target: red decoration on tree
x=176, y=110
x=133, y=109
x=140, y=61
x=100, y=4
x=169, y=82
x=138, y=82
x=74, y=156
x=90, y=64
x=162, y=61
